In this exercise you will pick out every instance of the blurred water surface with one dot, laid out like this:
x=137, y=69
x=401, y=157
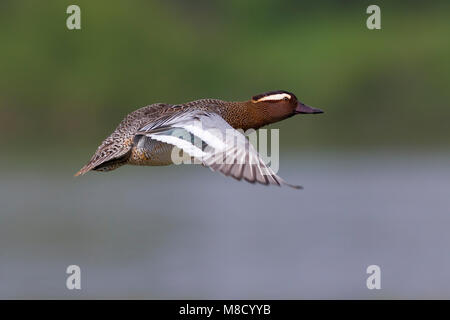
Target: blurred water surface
x=184, y=232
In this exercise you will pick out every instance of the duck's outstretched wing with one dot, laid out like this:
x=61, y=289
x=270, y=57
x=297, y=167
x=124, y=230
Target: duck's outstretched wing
x=207, y=137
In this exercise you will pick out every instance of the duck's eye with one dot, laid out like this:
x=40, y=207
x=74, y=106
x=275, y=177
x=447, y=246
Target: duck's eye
x=285, y=98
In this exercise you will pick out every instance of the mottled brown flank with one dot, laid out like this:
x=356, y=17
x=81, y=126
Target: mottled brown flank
x=158, y=154
x=262, y=95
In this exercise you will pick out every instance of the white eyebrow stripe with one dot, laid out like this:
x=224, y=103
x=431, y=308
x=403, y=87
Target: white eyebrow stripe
x=277, y=96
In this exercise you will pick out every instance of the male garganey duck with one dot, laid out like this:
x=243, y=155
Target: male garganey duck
x=148, y=135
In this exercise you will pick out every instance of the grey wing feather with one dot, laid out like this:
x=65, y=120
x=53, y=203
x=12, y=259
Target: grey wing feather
x=238, y=159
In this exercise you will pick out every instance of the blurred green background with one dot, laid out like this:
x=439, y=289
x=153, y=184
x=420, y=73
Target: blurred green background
x=67, y=90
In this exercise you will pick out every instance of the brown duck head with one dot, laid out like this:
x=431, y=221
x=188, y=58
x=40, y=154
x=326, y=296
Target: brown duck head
x=279, y=105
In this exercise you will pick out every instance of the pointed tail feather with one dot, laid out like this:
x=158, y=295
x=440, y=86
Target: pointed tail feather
x=83, y=170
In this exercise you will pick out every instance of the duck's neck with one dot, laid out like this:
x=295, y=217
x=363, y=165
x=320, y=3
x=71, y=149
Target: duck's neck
x=244, y=115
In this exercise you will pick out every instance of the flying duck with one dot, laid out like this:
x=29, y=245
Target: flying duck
x=148, y=135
